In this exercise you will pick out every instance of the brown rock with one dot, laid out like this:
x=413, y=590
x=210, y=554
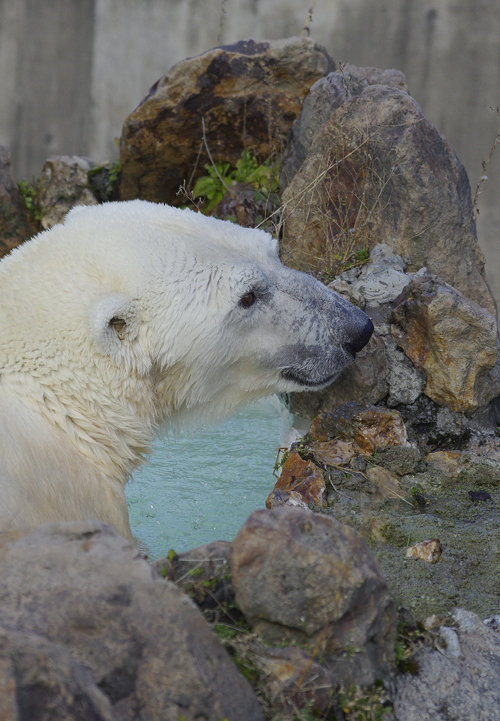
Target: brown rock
x=304, y=576
x=304, y=478
x=379, y=172
x=248, y=95
x=41, y=680
x=64, y=183
x=448, y=462
x=16, y=223
x=451, y=338
x=385, y=481
x=428, y=551
x=372, y=428
x=333, y=453
x=145, y=644
x=364, y=381
x=294, y=680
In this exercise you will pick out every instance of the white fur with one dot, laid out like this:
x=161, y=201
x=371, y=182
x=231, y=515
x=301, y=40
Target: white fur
x=80, y=396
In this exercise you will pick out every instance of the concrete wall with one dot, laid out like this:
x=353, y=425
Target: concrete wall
x=72, y=70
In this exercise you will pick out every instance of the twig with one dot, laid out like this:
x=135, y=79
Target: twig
x=211, y=159
x=305, y=30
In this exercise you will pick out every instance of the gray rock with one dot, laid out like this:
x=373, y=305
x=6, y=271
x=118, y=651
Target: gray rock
x=383, y=278
x=381, y=285
x=146, y=645
x=305, y=577
x=64, y=183
x=41, y=680
x=458, y=681
x=401, y=459
x=406, y=383
x=326, y=95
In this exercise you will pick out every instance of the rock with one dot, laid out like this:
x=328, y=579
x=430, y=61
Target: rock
x=247, y=94
x=459, y=681
x=64, y=183
x=479, y=471
x=326, y=95
x=145, y=644
x=451, y=338
x=406, y=383
x=305, y=577
x=401, y=460
x=16, y=222
x=372, y=428
x=41, y=680
x=386, y=482
x=279, y=498
x=302, y=477
x=364, y=381
x=333, y=453
x=448, y=462
x=347, y=291
x=378, y=172
x=383, y=279
x=295, y=679
x=429, y=551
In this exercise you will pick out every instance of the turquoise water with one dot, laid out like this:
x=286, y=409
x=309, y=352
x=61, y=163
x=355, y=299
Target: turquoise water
x=201, y=486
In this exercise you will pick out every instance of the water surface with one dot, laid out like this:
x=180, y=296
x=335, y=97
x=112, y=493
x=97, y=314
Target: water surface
x=201, y=486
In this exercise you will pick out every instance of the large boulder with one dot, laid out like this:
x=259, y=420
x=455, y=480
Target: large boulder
x=143, y=642
x=16, y=222
x=326, y=95
x=247, y=95
x=378, y=171
x=42, y=680
x=298, y=576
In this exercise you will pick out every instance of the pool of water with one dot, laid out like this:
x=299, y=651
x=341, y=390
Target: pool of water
x=202, y=485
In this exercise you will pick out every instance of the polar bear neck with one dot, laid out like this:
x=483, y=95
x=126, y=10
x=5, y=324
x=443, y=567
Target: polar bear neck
x=112, y=427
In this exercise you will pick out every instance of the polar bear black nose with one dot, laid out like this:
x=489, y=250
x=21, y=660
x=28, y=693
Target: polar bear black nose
x=360, y=339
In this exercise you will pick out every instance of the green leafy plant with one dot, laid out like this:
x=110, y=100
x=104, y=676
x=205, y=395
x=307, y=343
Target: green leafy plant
x=215, y=184
x=371, y=704
x=102, y=179
x=29, y=193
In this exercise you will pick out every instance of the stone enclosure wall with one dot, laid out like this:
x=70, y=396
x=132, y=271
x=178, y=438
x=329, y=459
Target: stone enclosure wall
x=114, y=50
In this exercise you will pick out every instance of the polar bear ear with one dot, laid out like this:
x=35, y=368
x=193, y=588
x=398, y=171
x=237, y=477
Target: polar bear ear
x=114, y=321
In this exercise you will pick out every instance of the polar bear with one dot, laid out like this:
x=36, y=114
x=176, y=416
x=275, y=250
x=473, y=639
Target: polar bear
x=132, y=313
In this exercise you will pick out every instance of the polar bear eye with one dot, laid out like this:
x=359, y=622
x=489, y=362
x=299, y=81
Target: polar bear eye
x=248, y=299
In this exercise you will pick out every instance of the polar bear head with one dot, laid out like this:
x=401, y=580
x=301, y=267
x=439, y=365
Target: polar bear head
x=133, y=312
